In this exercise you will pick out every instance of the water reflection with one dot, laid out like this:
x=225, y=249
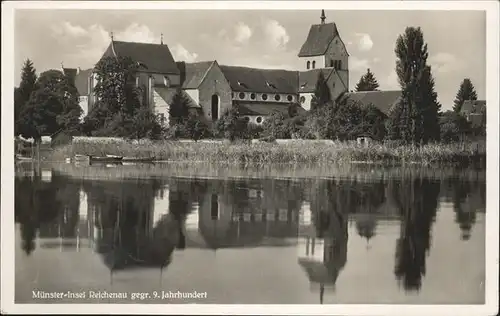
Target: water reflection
x=139, y=223
x=417, y=201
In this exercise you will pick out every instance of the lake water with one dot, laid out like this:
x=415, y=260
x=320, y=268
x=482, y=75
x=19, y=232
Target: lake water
x=363, y=234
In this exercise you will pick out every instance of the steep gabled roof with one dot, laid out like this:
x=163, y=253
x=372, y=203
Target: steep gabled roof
x=157, y=58
x=264, y=109
x=244, y=79
x=383, y=100
x=308, y=79
x=319, y=38
x=167, y=94
x=194, y=73
x=473, y=106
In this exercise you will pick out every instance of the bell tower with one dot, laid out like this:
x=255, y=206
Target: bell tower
x=324, y=48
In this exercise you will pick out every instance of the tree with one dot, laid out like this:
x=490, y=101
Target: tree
x=145, y=124
x=419, y=107
x=230, y=125
x=367, y=82
x=195, y=127
x=276, y=127
x=23, y=93
x=453, y=126
x=465, y=92
x=179, y=108
x=118, y=110
x=52, y=106
x=373, y=122
x=321, y=93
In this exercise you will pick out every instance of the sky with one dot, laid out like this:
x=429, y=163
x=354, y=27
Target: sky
x=257, y=38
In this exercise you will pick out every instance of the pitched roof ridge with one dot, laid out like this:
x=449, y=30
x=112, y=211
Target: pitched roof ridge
x=140, y=43
x=206, y=72
x=254, y=68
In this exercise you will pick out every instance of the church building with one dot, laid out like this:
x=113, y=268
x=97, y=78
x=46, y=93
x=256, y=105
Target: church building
x=213, y=88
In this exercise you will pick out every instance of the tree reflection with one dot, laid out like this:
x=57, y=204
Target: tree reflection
x=129, y=235
x=36, y=202
x=467, y=198
x=417, y=200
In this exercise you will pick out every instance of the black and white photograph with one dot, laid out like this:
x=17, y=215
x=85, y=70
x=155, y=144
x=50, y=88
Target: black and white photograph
x=264, y=157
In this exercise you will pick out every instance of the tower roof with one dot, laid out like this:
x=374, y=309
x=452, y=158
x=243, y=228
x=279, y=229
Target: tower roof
x=319, y=38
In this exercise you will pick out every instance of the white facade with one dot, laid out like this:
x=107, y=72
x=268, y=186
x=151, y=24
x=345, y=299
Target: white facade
x=161, y=107
x=313, y=62
x=264, y=97
x=84, y=105
x=305, y=100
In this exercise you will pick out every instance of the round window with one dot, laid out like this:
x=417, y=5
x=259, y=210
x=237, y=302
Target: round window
x=289, y=98
x=242, y=95
x=277, y=97
x=264, y=97
x=259, y=120
x=302, y=99
x=252, y=96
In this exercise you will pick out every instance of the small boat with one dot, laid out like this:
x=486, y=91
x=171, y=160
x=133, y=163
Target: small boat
x=105, y=159
x=138, y=159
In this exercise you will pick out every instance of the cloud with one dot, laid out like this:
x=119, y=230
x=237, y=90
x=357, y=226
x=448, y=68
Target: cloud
x=444, y=62
x=276, y=34
x=89, y=44
x=137, y=33
x=242, y=33
x=180, y=53
x=68, y=30
x=365, y=42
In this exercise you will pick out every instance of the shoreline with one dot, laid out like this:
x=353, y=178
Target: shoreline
x=292, y=152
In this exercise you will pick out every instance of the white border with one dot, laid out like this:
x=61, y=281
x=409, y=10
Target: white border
x=7, y=193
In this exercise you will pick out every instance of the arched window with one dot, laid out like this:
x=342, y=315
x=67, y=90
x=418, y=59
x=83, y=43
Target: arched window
x=308, y=64
x=302, y=99
x=314, y=64
x=331, y=63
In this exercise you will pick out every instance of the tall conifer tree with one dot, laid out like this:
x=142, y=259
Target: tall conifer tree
x=465, y=92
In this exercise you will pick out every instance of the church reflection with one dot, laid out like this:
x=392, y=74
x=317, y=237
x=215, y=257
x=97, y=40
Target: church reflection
x=233, y=214
x=137, y=224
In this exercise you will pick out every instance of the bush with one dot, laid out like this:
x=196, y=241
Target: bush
x=231, y=126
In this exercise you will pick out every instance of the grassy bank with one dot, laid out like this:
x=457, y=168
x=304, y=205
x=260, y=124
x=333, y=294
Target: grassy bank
x=296, y=152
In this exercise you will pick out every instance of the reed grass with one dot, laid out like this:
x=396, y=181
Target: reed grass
x=360, y=172
x=294, y=152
